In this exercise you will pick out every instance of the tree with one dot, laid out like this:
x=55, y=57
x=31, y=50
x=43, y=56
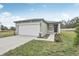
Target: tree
x=63, y=23
x=70, y=23
x=4, y=27
x=12, y=28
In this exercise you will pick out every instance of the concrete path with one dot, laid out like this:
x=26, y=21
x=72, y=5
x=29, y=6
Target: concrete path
x=50, y=38
x=12, y=42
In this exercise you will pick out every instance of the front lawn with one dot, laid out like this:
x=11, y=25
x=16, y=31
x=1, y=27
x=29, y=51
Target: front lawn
x=46, y=48
x=6, y=33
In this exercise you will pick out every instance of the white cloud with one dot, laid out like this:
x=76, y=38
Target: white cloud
x=64, y=16
x=6, y=14
x=1, y=6
x=7, y=19
x=60, y=17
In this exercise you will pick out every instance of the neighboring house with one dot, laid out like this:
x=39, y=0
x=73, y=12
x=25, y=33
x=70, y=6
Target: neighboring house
x=37, y=27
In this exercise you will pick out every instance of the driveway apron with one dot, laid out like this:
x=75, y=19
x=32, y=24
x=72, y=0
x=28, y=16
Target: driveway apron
x=9, y=43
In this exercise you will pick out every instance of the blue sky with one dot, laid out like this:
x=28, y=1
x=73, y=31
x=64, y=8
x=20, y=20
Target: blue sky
x=55, y=12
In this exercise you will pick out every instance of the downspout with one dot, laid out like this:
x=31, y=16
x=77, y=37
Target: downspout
x=40, y=30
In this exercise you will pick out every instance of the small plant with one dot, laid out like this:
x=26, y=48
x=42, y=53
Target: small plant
x=58, y=37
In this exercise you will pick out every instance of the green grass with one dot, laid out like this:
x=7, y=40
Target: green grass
x=6, y=33
x=46, y=48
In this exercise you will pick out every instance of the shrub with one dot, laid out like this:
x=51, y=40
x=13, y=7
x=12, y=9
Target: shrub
x=57, y=37
x=76, y=41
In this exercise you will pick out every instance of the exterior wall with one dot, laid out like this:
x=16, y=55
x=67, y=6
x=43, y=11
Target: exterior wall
x=59, y=28
x=17, y=29
x=51, y=29
x=43, y=28
x=31, y=28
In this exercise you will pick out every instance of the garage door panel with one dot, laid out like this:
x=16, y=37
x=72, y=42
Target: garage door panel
x=31, y=30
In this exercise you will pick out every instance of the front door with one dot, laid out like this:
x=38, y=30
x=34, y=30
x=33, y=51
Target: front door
x=56, y=28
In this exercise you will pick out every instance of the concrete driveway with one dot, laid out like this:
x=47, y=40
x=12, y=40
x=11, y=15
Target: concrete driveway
x=12, y=42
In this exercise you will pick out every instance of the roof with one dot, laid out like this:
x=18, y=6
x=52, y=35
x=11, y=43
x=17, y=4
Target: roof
x=54, y=22
x=36, y=20
x=29, y=20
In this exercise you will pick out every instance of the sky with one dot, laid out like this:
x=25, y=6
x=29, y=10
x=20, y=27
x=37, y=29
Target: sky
x=10, y=12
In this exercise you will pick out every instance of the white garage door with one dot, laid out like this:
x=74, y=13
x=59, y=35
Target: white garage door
x=29, y=30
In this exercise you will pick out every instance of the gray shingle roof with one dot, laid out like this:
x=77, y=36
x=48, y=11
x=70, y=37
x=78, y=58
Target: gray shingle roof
x=29, y=20
x=35, y=20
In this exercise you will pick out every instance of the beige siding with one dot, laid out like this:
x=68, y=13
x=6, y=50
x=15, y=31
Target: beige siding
x=59, y=28
x=51, y=29
x=43, y=28
x=17, y=29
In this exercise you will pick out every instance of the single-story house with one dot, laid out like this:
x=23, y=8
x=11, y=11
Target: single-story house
x=37, y=27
